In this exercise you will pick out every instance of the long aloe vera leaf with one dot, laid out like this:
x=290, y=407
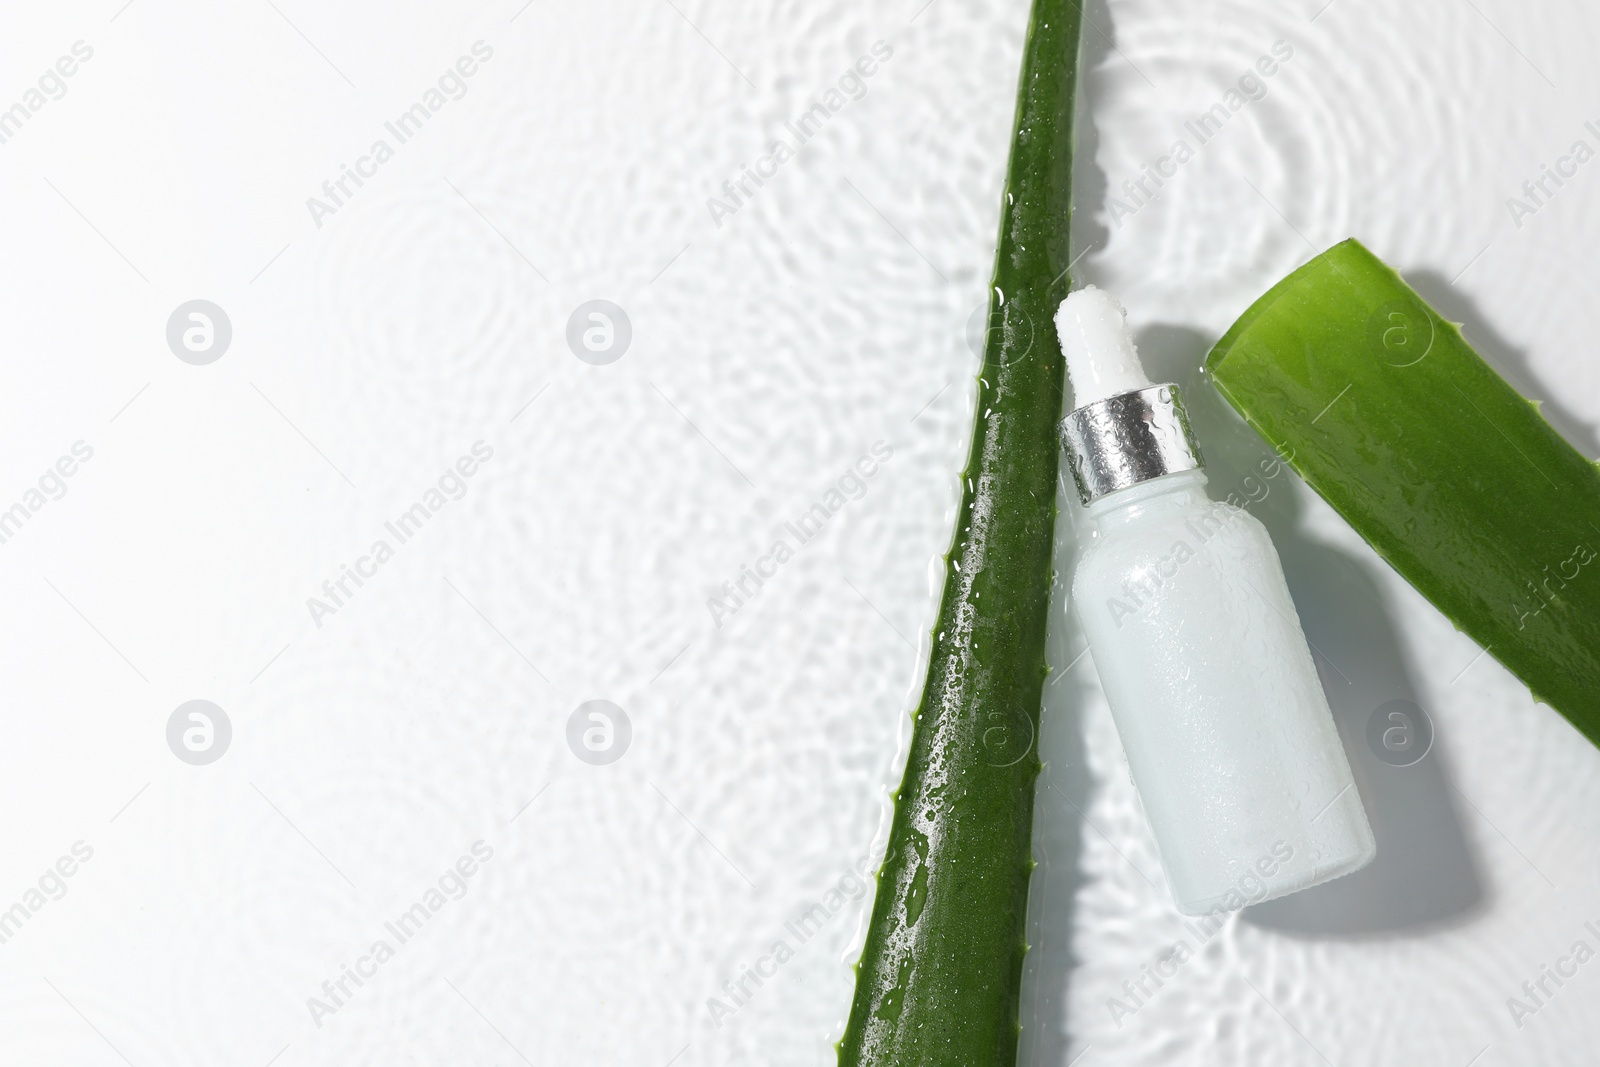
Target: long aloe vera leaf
x=1453, y=477
x=939, y=977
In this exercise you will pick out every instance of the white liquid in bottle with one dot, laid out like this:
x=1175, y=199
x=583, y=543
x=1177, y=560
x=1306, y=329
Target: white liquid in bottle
x=1227, y=731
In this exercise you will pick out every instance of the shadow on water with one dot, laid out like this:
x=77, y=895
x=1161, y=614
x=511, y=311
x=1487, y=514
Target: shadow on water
x=1424, y=875
x=1061, y=798
x=1090, y=187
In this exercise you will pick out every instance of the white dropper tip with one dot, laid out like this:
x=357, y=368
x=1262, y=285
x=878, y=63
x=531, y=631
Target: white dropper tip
x=1101, y=359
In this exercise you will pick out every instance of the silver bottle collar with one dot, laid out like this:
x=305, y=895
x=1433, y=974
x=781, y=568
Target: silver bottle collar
x=1127, y=439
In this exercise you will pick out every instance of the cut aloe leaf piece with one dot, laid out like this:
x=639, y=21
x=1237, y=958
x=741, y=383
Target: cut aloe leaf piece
x=1453, y=477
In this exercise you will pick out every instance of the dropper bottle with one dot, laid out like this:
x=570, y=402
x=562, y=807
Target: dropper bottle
x=1228, y=734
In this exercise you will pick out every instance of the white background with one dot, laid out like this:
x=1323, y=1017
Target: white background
x=768, y=352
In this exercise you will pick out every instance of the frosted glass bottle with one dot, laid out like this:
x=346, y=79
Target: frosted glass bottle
x=1228, y=734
